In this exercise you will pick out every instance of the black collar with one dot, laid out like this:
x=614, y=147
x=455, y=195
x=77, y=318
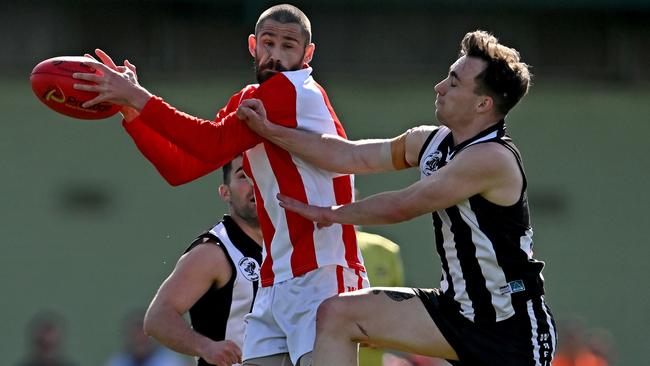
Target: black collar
x=237, y=236
x=500, y=127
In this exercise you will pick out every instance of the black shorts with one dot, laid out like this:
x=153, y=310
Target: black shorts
x=527, y=338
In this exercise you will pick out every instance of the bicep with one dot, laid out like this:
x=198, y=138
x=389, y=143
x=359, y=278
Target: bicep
x=405, y=148
x=414, y=141
x=194, y=274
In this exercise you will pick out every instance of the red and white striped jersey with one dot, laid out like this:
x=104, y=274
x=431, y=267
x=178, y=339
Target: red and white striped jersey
x=184, y=148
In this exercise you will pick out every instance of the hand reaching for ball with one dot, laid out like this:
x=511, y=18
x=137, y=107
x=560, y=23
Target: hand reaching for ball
x=114, y=85
x=129, y=113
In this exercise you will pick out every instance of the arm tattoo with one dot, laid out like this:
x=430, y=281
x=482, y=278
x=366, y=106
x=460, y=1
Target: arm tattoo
x=395, y=295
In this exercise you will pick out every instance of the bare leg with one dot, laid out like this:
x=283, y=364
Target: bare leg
x=281, y=359
x=385, y=317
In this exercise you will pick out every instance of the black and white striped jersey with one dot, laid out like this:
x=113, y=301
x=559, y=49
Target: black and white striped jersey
x=219, y=313
x=485, y=249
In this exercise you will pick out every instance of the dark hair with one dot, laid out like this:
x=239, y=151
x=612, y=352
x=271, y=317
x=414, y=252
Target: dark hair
x=227, y=170
x=506, y=79
x=285, y=14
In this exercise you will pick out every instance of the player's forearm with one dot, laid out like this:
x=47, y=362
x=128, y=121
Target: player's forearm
x=392, y=207
x=330, y=152
x=380, y=209
x=170, y=329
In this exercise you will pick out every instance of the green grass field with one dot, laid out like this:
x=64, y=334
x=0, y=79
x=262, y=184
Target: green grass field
x=89, y=228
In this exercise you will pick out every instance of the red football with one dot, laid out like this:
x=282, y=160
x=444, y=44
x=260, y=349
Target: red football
x=52, y=83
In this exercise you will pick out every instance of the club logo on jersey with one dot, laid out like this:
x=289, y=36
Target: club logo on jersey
x=432, y=162
x=249, y=268
x=513, y=287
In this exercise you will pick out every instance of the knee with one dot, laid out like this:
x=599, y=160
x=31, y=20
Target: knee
x=332, y=314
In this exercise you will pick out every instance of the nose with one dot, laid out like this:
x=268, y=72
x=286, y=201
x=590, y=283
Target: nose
x=438, y=88
x=272, y=53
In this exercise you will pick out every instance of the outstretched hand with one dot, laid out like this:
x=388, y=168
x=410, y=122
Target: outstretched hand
x=118, y=85
x=314, y=213
x=129, y=113
x=253, y=113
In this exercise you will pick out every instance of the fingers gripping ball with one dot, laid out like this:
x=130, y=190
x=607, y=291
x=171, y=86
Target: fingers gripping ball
x=52, y=82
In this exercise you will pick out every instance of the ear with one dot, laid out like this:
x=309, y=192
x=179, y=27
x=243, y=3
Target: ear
x=252, y=44
x=224, y=193
x=309, y=53
x=486, y=104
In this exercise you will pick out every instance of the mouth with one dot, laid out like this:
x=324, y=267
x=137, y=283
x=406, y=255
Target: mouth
x=273, y=67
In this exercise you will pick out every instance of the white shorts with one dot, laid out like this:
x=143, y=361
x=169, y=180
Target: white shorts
x=283, y=319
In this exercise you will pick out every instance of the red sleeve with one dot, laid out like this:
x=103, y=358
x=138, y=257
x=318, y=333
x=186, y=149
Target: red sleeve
x=215, y=142
x=175, y=165
x=183, y=147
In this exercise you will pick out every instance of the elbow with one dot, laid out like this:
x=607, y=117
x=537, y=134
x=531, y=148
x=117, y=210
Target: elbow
x=173, y=179
x=174, y=182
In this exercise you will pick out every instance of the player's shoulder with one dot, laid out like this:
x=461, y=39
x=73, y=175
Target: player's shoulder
x=489, y=151
x=416, y=138
x=488, y=158
x=207, y=250
x=422, y=130
x=247, y=91
x=376, y=242
x=205, y=260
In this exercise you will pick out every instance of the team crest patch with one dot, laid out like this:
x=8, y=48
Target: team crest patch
x=513, y=287
x=432, y=162
x=249, y=268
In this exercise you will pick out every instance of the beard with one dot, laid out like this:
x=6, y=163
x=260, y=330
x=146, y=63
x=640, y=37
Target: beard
x=246, y=212
x=269, y=69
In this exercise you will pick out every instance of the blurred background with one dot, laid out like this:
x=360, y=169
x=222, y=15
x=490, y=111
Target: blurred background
x=88, y=229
